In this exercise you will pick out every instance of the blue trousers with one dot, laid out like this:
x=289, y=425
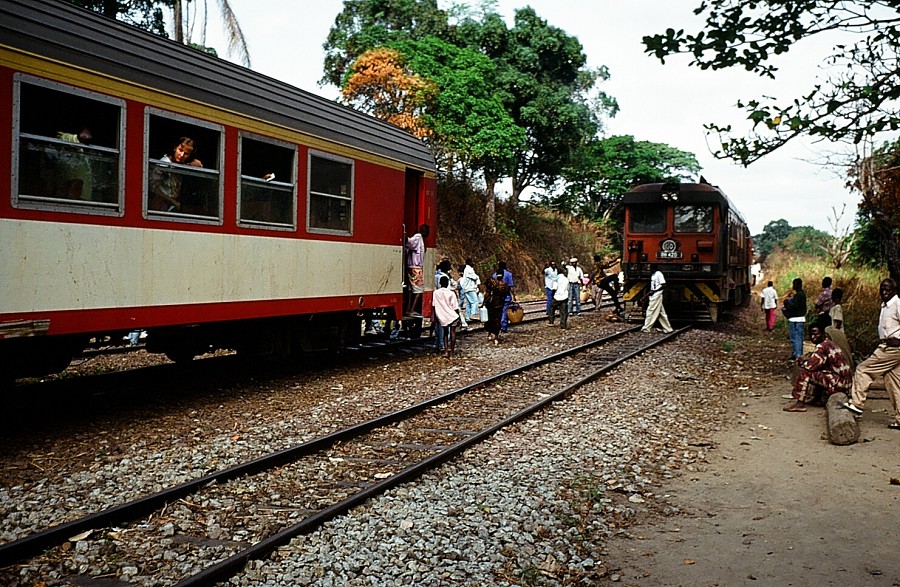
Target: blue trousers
x=549, y=293
x=574, y=298
x=471, y=301
x=438, y=335
x=504, y=319
x=796, y=331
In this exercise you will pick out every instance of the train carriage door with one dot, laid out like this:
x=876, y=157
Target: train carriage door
x=416, y=212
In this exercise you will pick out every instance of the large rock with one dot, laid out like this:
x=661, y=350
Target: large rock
x=843, y=428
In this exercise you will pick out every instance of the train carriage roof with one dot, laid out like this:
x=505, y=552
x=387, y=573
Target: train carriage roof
x=60, y=31
x=688, y=193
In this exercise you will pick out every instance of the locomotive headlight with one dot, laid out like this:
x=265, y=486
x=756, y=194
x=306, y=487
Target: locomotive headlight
x=707, y=268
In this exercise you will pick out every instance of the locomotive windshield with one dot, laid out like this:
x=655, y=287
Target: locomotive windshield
x=693, y=218
x=647, y=219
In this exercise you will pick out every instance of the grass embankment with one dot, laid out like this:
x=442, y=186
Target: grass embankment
x=861, y=303
x=524, y=236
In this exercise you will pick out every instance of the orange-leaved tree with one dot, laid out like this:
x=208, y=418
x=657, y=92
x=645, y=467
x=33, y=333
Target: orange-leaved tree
x=379, y=83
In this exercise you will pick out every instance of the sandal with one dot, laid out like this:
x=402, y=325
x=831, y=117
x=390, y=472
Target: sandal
x=894, y=426
x=794, y=407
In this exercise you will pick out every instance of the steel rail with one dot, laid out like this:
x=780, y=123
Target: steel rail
x=230, y=566
x=33, y=544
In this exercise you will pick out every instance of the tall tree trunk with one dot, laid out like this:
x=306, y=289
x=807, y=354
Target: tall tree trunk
x=519, y=183
x=490, y=208
x=178, y=21
x=110, y=9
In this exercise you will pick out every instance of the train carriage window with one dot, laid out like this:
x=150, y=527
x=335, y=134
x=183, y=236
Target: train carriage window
x=68, y=148
x=647, y=218
x=183, y=162
x=330, y=194
x=268, y=183
x=693, y=218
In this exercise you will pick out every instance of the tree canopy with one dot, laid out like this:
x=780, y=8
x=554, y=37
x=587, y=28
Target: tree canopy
x=145, y=14
x=515, y=102
x=379, y=82
x=606, y=168
x=149, y=15
x=857, y=100
x=366, y=24
x=780, y=235
x=876, y=177
x=545, y=84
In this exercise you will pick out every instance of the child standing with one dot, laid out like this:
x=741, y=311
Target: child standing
x=446, y=311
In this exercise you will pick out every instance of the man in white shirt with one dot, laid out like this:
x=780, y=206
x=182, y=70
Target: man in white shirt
x=550, y=275
x=769, y=303
x=575, y=276
x=885, y=360
x=469, y=283
x=560, y=300
x=655, y=309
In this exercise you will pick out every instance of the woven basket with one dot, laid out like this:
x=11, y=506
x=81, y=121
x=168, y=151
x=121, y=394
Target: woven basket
x=515, y=313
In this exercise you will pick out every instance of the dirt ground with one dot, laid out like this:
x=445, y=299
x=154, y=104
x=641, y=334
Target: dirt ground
x=778, y=505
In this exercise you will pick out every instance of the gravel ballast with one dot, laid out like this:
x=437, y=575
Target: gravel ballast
x=533, y=505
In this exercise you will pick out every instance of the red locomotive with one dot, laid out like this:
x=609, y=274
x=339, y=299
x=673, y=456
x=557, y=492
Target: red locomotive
x=282, y=228
x=699, y=241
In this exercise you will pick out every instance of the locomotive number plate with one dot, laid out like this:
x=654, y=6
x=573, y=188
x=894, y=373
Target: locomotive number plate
x=669, y=255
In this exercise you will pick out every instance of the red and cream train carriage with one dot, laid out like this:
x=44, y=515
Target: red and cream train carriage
x=288, y=235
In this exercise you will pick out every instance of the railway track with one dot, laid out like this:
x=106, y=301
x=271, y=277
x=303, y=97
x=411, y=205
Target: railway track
x=322, y=478
x=132, y=378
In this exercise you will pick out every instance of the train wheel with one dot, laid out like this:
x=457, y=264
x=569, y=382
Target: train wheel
x=180, y=356
x=36, y=357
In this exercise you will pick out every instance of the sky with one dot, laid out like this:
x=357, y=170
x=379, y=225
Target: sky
x=658, y=103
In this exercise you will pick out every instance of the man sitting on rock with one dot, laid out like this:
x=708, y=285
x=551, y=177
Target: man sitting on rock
x=826, y=367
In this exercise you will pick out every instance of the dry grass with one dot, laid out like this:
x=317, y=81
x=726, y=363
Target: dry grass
x=860, y=284
x=526, y=237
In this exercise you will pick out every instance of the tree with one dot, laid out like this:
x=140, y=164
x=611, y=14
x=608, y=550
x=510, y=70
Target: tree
x=867, y=247
x=380, y=83
x=805, y=240
x=471, y=130
x=540, y=80
x=774, y=234
x=607, y=168
x=876, y=176
x=148, y=15
x=144, y=14
x=543, y=82
x=442, y=93
x=839, y=244
x=185, y=18
x=366, y=24
x=858, y=100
